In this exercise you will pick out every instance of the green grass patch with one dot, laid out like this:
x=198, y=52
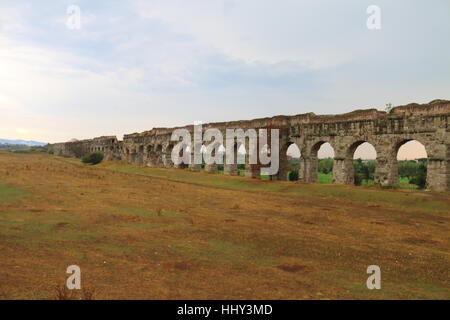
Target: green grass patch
x=225, y=251
x=324, y=177
x=9, y=194
x=403, y=183
x=31, y=229
x=366, y=183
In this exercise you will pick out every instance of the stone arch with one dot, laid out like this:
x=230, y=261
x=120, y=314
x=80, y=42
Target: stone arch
x=213, y=167
x=349, y=167
x=132, y=154
x=150, y=155
x=232, y=168
x=284, y=166
x=221, y=150
x=386, y=171
x=266, y=151
x=185, y=151
x=167, y=156
x=243, y=152
x=198, y=147
x=311, y=161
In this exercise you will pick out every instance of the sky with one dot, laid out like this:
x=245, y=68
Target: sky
x=134, y=65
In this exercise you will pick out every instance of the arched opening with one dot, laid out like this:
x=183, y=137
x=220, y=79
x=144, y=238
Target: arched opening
x=202, y=151
x=133, y=153
x=364, y=158
x=221, y=166
x=159, y=155
x=322, y=155
x=230, y=165
x=265, y=150
x=212, y=153
x=240, y=158
x=150, y=155
x=412, y=161
x=141, y=155
x=184, y=154
x=196, y=155
x=293, y=162
x=248, y=160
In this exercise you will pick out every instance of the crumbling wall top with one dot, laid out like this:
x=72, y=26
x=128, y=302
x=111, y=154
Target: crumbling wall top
x=433, y=107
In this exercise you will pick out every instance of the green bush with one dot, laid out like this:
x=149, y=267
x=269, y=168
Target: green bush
x=414, y=171
x=358, y=179
x=364, y=171
x=293, y=175
x=93, y=158
x=326, y=165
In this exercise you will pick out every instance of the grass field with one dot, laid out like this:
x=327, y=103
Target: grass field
x=148, y=233
x=328, y=178
x=324, y=177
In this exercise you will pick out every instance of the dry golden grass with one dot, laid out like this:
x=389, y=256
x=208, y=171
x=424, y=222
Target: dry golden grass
x=141, y=233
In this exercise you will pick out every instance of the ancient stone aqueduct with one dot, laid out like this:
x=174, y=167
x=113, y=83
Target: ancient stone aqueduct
x=386, y=131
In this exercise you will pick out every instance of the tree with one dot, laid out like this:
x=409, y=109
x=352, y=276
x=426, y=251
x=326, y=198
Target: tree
x=326, y=165
x=93, y=158
x=420, y=179
x=388, y=107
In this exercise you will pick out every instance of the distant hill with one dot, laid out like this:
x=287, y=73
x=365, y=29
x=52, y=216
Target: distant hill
x=23, y=142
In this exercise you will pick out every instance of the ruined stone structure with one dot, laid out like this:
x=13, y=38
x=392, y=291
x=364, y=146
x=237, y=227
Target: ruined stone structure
x=386, y=131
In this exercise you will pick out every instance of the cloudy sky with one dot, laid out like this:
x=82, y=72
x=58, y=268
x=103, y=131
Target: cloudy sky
x=134, y=65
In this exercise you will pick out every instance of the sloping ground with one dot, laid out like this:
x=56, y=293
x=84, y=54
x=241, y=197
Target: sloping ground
x=141, y=233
